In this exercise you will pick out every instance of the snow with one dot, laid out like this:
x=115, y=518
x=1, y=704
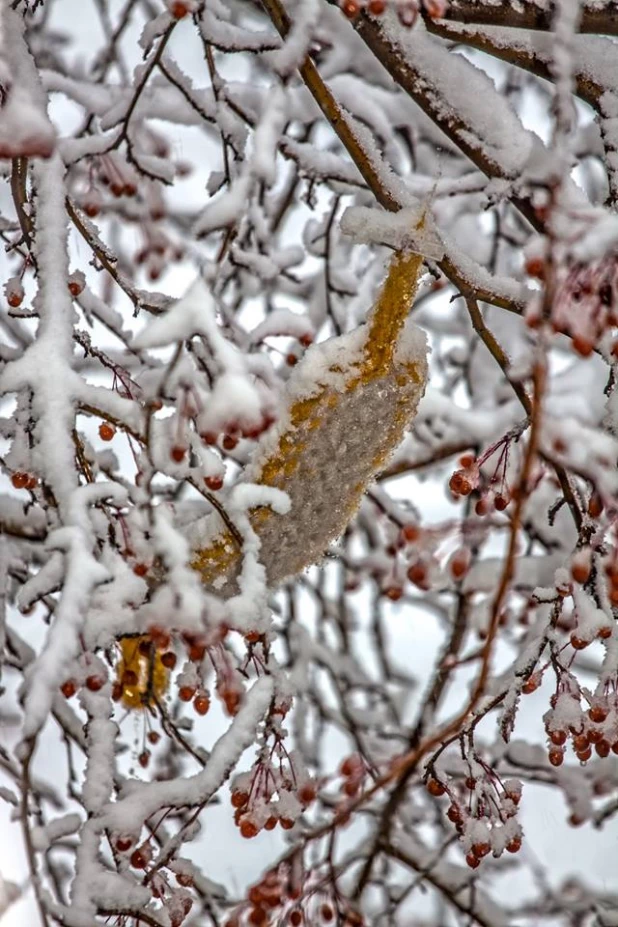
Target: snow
x=410, y=228
x=138, y=801
x=297, y=42
x=357, y=665
x=25, y=129
x=282, y=322
x=453, y=86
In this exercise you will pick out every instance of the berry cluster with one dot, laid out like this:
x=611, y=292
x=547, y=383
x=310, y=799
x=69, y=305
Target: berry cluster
x=205, y=418
x=585, y=305
x=422, y=555
x=112, y=176
x=22, y=480
x=494, y=490
x=289, y=896
x=587, y=728
x=14, y=288
x=353, y=771
x=275, y=791
x=157, y=251
x=89, y=672
x=407, y=10
x=483, y=810
x=175, y=899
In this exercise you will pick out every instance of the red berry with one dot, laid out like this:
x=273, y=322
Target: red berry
x=95, y=682
x=248, y=828
x=178, y=9
x=14, y=293
x=394, y=593
x=231, y=700
x=556, y=757
x=213, y=482
x=144, y=758
x=481, y=849
x=514, y=845
x=177, y=453
x=168, y=659
x=459, y=564
x=229, y=442
x=307, y=794
x=582, y=346
x=410, y=533
x=500, y=502
x=123, y=844
x=349, y=766
x=271, y=823
x=159, y=637
x=287, y=823
x=435, y=788
x=201, y=703
x=558, y=737
x=602, y=748
x=473, y=861
x=196, y=651
x=531, y=684
x=77, y=282
x=417, y=574
x=129, y=678
x=535, y=267
x=578, y=643
x=106, y=431
x=597, y=714
x=482, y=506
x=140, y=569
x=153, y=737
x=454, y=814
x=580, y=567
x=376, y=7
x=326, y=912
x=239, y=799
x=138, y=859
x=186, y=693
x=69, y=688
x=258, y=916
x=595, y=505
x=19, y=480
x=460, y=484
